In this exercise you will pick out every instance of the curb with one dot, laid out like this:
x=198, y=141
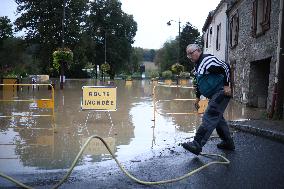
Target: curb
x=274, y=135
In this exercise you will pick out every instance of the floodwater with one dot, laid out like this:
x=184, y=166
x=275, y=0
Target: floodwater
x=30, y=143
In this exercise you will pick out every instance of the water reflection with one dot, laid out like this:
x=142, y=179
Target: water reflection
x=31, y=143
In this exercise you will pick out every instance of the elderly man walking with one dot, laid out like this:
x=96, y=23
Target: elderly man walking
x=213, y=81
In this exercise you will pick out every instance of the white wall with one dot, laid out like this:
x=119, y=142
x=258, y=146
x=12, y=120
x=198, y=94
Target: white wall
x=219, y=17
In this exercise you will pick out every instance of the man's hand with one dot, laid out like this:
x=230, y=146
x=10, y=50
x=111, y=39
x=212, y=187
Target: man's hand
x=196, y=103
x=227, y=91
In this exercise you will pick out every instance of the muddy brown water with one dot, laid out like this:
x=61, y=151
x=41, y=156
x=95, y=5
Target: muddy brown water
x=33, y=143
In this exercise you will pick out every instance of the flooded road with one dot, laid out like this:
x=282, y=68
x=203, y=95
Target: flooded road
x=30, y=144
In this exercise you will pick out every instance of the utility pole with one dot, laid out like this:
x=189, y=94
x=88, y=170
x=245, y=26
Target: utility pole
x=63, y=20
x=169, y=23
x=178, y=40
x=105, y=44
x=280, y=92
x=62, y=63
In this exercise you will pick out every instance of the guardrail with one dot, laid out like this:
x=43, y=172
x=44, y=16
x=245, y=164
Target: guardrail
x=41, y=103
x=203, y=103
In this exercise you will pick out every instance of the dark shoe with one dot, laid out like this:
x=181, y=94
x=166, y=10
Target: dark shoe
x=226, y=145
x=193, y=147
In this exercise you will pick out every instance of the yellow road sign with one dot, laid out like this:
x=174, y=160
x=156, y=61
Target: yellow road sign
x=99, y=98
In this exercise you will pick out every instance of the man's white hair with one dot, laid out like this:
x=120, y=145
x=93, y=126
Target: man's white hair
x=193, y=47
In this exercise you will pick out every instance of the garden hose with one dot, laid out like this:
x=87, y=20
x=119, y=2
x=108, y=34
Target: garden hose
x=225, y=161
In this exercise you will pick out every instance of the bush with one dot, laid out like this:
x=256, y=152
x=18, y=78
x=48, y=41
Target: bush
x=167, y=74
x=184, y=75
x=177, y=68
x=129, y=77
x=105, y=67
x=154, y=74
x=61, y=55
x=136, y=75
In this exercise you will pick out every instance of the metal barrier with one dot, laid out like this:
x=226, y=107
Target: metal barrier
x=203, y=103
x=41, y=103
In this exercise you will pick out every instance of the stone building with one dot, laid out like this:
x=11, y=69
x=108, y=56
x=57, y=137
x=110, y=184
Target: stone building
x=249, y=35
x=255, y=52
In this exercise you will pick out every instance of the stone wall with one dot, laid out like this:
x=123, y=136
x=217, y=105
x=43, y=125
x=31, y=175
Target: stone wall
x=253, y=50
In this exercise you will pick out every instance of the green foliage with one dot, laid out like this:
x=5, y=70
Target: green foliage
x=62, y=56
x=168, y=55
x=136, y=75
x=89, y=65
x=128, y=77
x=85, y=34
x=189, y=35
x=43, y=22
x=122, y=75
x=105, y=67
x=194, y=81
x=149, y=55
x=136, y=58
x=167, y=74
x=16, y=58
x=6, y=30
x=184, y=75
x=83, y=57
x=177, y=68
x=11, y=75
x=113, y=31
x=154, y=74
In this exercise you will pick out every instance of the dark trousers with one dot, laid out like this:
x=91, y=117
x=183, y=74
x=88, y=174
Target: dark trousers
x=213, y=119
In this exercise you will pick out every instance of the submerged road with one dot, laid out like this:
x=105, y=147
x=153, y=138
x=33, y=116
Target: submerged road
x=257, y=162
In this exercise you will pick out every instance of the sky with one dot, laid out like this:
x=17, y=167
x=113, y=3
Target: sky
x=151, y=17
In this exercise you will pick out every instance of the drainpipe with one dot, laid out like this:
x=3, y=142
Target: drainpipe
x=279, y=102
x=227, y=37
x=277, y=98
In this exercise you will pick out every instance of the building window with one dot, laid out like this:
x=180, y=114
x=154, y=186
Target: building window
x=260, y=17
x=234, y=30
x=218, y=39
x=210, y=36
x=207, y=33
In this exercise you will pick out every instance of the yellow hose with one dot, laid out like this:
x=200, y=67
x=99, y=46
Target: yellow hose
x=226, y=161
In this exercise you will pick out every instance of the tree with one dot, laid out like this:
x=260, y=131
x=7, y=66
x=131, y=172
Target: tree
x=149, y=55
x=84, y=55
x=136, y=59
x=167, y=56
x=189, y=34
x=86, y=35
x=62, y=56
x=15, y=58
x=113, y=31
x=6, y=30
x=42, y=21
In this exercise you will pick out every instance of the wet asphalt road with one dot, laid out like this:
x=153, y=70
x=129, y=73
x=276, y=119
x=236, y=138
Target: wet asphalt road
x=257, y=162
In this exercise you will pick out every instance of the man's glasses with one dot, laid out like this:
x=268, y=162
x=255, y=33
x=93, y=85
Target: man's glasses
x=189, y=54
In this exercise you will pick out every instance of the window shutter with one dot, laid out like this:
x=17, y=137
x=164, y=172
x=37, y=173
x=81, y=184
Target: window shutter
x=237, y=30
x=254, y=18
x=266, y=16
x=231, y=31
